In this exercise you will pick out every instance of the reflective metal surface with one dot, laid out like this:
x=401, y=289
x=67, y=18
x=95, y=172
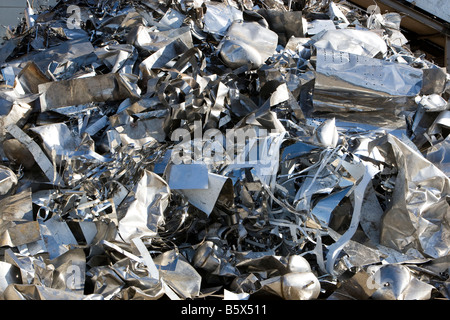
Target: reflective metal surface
x=224, y=150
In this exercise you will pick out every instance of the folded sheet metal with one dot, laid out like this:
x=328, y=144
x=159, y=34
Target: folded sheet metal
x=39, y=156
x=179, y=274
x=142, y=132
x=422, y=220
x=58, y=140
x=360, y=42
x=16, y=114
x=375, y=76
x=221, y=150
x=41, y=292
x=247, y=43
x=347, y=82
x=9, y=275
x=57, y=236
x=8, y=180
x=30, y=77
x=78, y=51
x=170, y=44
x=146, y=212
x=285, y=24
x=108, y=87
x=320, y=25
x=219, y=17
x=395, y=282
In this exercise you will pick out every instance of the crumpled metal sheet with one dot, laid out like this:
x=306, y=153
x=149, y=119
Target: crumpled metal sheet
x=422, y=221
x=219, y=17
x=360, y=42
x=80, y=91
x=221, y=150
x=247, y=43
x=146, y=212
x=373, y=74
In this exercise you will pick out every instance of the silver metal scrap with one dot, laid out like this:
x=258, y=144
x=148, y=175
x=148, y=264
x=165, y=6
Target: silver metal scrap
x=223, y=150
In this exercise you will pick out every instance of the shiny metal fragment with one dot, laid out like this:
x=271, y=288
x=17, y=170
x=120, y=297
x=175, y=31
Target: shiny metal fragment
x=18, y=153
x=219, y=17
x=146, y=212
x=108, y=87
x=8, y=180
x=41, y=292
x=268, y=193
x=408, y=221
x=23, y=233
x=351, y=82
x=395, y=282
x=179, y=274
x=360, y=42
x=247, y=44
x=188, y=176
x=294, y=286
x=300, y=286
x=205, y=199
x=39, y=156
x=9, y=274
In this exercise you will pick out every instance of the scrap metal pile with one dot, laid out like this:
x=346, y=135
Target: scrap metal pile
x=236, y=149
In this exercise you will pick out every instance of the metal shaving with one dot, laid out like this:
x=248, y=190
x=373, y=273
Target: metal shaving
x=184, y=150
